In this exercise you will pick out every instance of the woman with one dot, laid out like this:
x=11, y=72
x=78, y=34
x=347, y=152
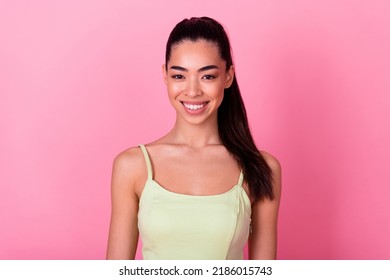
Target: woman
x=202, y=189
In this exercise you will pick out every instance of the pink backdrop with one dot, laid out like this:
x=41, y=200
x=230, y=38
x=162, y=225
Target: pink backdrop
x=81, y=80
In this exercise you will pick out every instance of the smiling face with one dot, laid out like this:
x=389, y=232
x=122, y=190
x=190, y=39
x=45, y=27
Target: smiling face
x=196, y=77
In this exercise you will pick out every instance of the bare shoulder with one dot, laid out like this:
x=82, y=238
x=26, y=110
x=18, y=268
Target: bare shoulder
x=272, y=162
x=276, y=169
x=129, y=169
x=129, y=159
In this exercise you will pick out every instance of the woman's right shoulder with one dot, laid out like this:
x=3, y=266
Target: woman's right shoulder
x=129, y=158
x=129, y=165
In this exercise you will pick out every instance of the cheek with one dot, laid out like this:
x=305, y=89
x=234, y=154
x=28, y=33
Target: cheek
x=217, y=90
x=175, y=88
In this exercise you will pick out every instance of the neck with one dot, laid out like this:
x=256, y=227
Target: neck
x=195, y=135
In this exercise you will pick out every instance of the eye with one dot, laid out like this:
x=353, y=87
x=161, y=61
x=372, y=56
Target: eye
x=177, y=77
x=208, y=77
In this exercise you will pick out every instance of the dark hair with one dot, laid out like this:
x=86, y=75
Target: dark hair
x=233, y=125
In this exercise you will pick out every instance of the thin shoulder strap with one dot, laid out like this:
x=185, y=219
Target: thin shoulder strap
x=241, y=178
x=147, y=160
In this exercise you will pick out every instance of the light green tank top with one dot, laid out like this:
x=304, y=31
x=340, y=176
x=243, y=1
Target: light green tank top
x=189, y=227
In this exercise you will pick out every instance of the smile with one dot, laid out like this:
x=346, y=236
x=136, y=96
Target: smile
x=194, y=107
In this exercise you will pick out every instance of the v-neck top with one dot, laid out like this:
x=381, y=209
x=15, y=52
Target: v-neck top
x=189, y=227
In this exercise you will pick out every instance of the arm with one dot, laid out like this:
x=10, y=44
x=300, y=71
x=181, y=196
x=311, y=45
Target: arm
x=123, y=235
x=262, y=240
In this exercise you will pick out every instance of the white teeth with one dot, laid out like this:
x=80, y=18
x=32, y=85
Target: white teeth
x=193, y=106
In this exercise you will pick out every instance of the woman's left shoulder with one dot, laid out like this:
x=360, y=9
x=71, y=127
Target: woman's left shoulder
x=272, y=162
x=276, y=171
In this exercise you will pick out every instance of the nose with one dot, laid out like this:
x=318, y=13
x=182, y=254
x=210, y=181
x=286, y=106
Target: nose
x=193, y=88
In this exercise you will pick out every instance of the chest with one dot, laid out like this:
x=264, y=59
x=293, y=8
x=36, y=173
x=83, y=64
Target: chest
x=196, y=175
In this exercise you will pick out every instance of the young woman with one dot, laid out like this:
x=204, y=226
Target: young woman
x=202, y=190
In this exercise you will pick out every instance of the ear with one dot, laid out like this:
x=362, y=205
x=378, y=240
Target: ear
x=229, y=77
x=165, y=74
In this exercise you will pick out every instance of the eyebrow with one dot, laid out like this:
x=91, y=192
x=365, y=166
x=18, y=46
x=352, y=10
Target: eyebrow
x=205, y=68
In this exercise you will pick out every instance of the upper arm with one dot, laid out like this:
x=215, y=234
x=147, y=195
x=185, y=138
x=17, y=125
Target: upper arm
x=263, y=237
x=123, y=235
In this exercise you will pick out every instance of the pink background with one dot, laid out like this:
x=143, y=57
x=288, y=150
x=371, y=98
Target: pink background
x=81, y=81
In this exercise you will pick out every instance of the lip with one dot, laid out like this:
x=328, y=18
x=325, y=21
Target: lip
x=194, y=102
x=195, y=112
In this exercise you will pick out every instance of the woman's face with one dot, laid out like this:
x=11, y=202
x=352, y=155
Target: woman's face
x=196, y=77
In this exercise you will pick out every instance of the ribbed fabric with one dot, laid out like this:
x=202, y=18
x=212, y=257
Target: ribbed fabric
x=189, y=227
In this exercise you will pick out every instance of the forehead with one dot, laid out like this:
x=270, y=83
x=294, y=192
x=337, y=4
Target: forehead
x=194, y=53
